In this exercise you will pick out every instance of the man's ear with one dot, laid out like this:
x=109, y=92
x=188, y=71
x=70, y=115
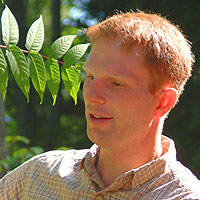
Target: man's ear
x=167, y=100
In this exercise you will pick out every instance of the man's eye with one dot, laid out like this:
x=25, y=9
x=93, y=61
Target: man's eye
x=90, y=77
x=117, y=84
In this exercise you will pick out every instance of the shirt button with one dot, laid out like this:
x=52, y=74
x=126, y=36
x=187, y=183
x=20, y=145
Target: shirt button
x=99, y=197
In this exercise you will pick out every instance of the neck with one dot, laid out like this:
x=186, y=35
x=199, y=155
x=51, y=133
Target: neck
x=112, y=164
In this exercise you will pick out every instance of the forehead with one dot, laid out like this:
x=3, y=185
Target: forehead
x=108, y=57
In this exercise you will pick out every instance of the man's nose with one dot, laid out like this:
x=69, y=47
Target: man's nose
x=95, y=92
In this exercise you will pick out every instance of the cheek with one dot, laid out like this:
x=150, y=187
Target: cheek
x=84, y=90
x=85, y=87
x=134, y=103
x=123, y=105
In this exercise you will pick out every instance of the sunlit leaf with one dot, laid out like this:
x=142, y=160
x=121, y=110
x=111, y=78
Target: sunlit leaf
x=37, y=72
x=19, y=68
x=78, y=75
x=3, y=75
x=35, y=36
x=12, y=139
x=53, y=77
x=71, y=80
x=20, y=153
x=36, y=150
x=79, y=66
x=75, y=53
x=10, y=30
x=61, y=46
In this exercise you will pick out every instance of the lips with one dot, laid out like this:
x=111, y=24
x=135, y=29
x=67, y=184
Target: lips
x=94, y=116
x=97, y=119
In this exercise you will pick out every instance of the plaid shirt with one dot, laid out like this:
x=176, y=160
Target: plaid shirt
x=71, y=175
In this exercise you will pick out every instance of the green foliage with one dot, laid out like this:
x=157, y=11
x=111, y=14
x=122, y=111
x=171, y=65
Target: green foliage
x=46, y=126
x=3, y=74
x=18, y=154
x=32, y=67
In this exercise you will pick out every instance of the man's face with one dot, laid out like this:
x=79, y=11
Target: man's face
x=119, y=107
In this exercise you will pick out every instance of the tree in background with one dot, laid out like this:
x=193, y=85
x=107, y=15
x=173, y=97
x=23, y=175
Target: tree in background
x=22, y=126
x=45, y=124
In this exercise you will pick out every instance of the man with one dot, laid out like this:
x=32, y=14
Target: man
x=136, y=71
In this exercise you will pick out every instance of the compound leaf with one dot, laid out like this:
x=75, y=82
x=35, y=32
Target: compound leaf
x=10, y=30
x=3, y=75
x=37, y=72
x=19, y=68
x=35, y=36
x=61, y=46
x=53, y=77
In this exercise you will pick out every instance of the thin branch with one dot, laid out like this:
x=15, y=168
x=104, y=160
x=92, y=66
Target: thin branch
x=2, y=46
x=24, y=51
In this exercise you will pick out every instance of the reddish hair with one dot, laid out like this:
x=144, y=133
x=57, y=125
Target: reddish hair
x=167, y=52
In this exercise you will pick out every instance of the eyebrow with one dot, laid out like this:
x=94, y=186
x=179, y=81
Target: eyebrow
x=114, y=73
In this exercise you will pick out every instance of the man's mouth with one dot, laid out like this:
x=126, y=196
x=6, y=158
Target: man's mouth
x=98, y=117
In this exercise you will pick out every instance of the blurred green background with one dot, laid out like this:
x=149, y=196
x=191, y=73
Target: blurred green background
x=29, y=129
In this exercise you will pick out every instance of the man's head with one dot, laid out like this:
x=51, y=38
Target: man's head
x=168, y=54
x=137, y=64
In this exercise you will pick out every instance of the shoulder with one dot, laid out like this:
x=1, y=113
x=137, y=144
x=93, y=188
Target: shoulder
x=185, y=183
x=46, y=168
x=186, y=177
x=60, y=155
x=175, y=182
x=48, y=161
x=53, y=160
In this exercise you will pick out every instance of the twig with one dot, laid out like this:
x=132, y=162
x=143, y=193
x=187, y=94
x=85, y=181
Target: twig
x=24, y=51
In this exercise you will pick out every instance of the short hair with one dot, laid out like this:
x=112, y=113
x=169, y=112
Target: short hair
x=167, y=52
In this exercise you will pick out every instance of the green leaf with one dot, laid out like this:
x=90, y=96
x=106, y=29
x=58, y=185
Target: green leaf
x=19, y=154
x=10, y=30
x=78, y=75
x=61, y=46
x=71, y=80
x=35, y=36
x=79, y=66
x=12, y=139
x=3, y=75
x=75, y=53
x=37, y=72
x=19, y=68
x=53, y=77
x=36, y=150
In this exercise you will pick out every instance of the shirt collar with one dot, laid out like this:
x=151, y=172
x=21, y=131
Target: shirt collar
x=89, y=161
x=157, y=167
x=143, y=174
